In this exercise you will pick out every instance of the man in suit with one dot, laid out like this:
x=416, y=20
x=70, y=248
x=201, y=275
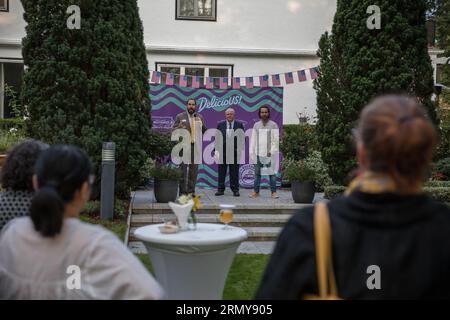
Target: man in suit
x=228, y=153
x=191, y=121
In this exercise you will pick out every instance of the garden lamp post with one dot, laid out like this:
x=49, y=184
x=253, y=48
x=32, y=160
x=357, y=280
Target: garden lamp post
x=107, y=184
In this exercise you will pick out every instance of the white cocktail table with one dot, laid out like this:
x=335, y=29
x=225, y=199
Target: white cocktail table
x=192, y=264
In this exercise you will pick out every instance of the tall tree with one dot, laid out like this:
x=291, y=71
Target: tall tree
x=89, y=85
x=358, y=63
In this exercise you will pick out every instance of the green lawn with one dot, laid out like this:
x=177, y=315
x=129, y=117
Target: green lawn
x=243, y=278
x=119, y=227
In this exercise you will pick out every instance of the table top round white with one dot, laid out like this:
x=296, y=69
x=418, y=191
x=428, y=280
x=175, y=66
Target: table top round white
x=206, y=234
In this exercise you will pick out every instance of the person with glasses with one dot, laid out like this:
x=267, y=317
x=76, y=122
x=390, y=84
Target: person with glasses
x=228, y=152
x=53, y=255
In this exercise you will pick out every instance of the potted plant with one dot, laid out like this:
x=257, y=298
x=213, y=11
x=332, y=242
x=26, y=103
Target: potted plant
x=302, y=178
x=166, y=178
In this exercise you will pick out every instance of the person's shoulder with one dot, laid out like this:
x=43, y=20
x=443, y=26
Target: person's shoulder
x=273, y=123
x=88, y=230
x=438, y=208
x=17, y=227
x=19, y=223
x=301, y=222
x=221, y=123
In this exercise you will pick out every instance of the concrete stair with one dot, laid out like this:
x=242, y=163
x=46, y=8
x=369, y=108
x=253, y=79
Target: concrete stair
x=263, y=218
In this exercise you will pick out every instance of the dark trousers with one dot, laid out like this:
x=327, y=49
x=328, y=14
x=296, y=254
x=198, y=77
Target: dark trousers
x=189, y=175
x=234, y=176
x=189, y=178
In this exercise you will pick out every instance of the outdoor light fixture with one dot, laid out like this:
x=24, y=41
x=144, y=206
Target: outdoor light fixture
x=108, y=180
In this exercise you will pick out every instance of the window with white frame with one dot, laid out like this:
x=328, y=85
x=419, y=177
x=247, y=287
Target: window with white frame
x=201, y=70
x=4, y=5
x=196, y=10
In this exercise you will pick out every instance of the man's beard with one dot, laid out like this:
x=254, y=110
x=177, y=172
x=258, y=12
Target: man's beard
x=190, y=111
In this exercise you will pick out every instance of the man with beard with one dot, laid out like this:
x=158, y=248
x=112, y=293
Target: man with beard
x=191, y=121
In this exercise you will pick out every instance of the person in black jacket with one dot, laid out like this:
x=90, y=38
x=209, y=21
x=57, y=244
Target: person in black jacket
x=389, y=240
x=228, y=153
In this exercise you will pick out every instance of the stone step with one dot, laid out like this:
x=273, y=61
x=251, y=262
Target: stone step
x=246, y=247
x=161, y=208
x=240, y=220
x=254, y=233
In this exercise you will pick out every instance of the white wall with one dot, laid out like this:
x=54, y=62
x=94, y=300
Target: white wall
x=12, y=30
x=288, y=24
x=270, y=27
x=12, y=25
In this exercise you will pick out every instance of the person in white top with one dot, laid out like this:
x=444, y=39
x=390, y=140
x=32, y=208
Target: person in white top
x=264, y=148
x=53, y=255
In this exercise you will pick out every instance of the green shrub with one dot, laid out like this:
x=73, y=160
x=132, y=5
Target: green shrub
x=441, y=194
x=298, y=170
x=441, y=169
x=311, y=168
x=357, y=64
x=89, y=85
x=298, y=141
x=146, y=171
x=443, y=149
x=333, y=191
x=444, y=184
x=92, y=209
x=321, y=176
x=165, y=172
x=10, y=138
x=16, y=123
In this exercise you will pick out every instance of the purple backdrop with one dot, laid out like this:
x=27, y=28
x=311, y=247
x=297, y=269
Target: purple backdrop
x=168, y=101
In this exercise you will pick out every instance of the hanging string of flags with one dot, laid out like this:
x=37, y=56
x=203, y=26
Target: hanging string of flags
x=274, y=80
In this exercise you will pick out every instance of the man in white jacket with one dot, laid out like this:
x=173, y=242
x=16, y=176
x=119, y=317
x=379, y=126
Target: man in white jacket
x=263, y=151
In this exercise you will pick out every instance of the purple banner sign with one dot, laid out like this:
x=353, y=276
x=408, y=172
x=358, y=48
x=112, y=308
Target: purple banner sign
x=168, y=101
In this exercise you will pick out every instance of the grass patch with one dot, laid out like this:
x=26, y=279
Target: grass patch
x=244, y=276
x=118, y=227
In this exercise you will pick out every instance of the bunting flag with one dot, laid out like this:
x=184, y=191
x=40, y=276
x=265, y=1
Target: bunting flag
x=156, y=77
x=249, y=82
x=183, y=81
x=236, y=83
x=223, y=83
x=170, y=79
x=264, y=81
x=195, y=82
x=288, y=76
x=314, y=72
x=276, y=80
x=301, y=75
x=209, y=83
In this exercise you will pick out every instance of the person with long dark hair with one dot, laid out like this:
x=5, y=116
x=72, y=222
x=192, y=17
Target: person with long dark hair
x=383, y=239
x=53, y=255
x=263, y=151
x=15, y=178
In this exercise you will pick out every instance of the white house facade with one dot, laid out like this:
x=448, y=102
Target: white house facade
x=214, y=38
